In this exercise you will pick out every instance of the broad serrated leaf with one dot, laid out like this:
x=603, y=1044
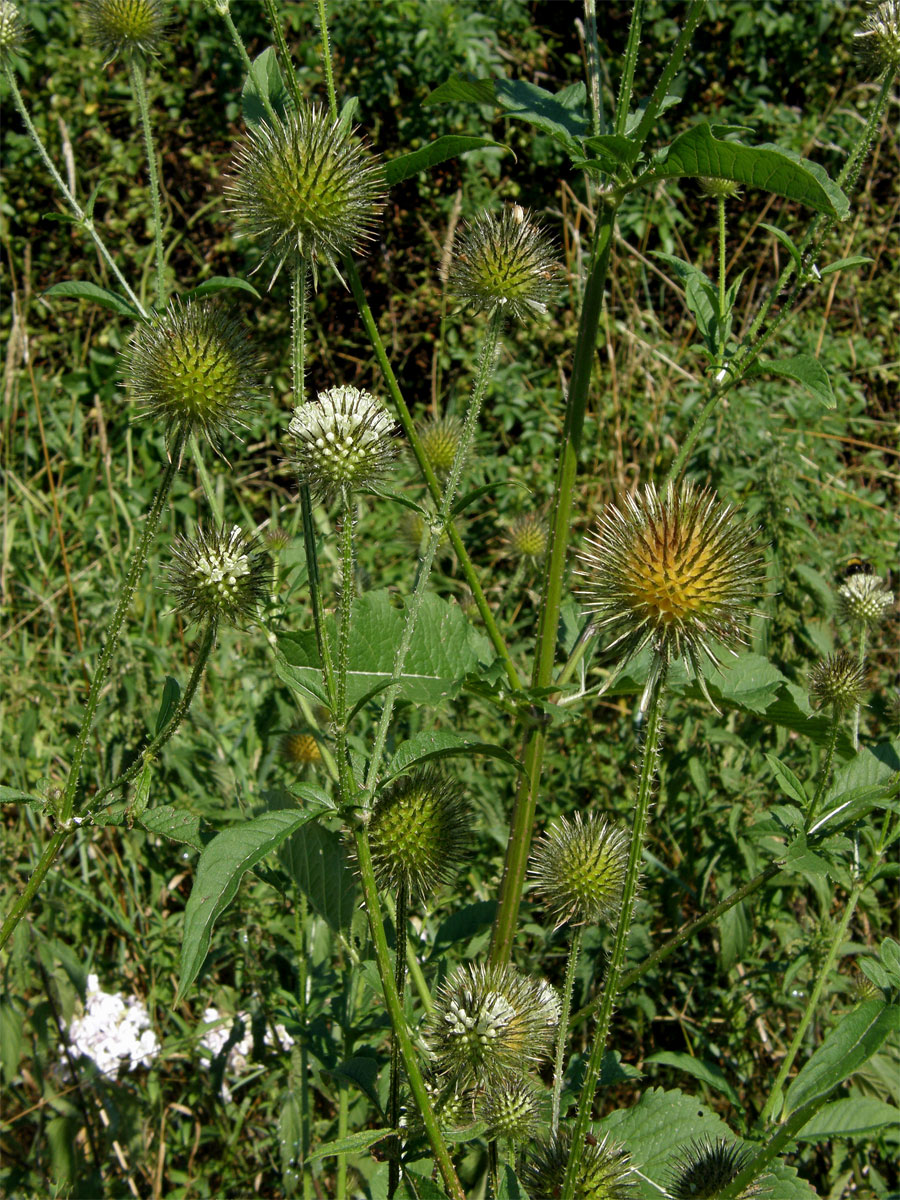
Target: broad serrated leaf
x=73, y=289
x=353, y=1143
x=440, y=150
x=802, y=368
x=362, y=1072
x=706, y=1072
x=222, y=866
x=425, y=747
x=173, y=823
x=264, y=81
x=702, y=151
x=317, y=863
x=850, y=1118
x=220, y=283
x=788, y=781
x=170, y=697
x=850, y=1044
x=463, y=925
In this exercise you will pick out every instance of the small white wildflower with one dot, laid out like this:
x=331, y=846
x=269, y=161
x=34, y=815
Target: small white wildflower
x=114, y=1030
x=216, y=1037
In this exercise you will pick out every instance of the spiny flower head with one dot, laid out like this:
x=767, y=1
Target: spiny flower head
x=838, y=681
x=218, y=575
x=440, y=439
x=419, y=832
x=580, y=866
x=864, y=599
x=878, y=41
x=505, y=264
x=511, y=1109
x=345, y=439
x=488, y=1023
x=300, y=749
x=527, y=537
x=132, y=28
x=677, y=572
x=12, y=30
x=708, y=1166
x=604, y=1172
x=726, y=188
x=304, y=189
x=192, y=368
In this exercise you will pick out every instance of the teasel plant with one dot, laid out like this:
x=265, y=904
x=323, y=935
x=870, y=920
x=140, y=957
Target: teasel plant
x=863, y=602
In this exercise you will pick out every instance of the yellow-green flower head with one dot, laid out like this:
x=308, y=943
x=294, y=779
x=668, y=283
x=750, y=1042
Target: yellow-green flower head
x=838, y=681
x=511, y=1109
x=300, y=749
x=192, y=368
x=677, y=572
x=604, y=1172
x=132, y=28
x=489, y=1023
x=579, y=867
x=527, y=537
x=219, y=575
x=419, y=833
x=708, y=1166
x=303, y=189
x=440, y=440
x=726, y=188
x=505, y=264
x=12, y=30
x=345, y=439
x=864, y=599
x=878, y=41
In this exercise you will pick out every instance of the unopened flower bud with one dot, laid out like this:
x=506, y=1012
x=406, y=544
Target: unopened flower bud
x=527, y=538
x=440, y=439
x=837, y=681
x=505, y=264
x=131, y=28
x=579, y=867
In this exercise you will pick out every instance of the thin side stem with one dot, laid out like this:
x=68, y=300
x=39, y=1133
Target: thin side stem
x=81, y=216
x=343, y=646
x=206, y=482
x=398, y=1019
x=245, y=57
x=862, y=663
x=720, y=214
x=671, y=69
x=623, y=928
x=283, y=53
x=23, y=901
x=626, y=87
x=400, y=981
x=326, y=58
x=825, y=773
x=139, y=87
x=562, y=1032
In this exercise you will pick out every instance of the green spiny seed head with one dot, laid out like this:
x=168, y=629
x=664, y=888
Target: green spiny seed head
x=130, y=28
x=726, y=188
x=192, y=369
x=579, y=867
x=219, y=575
x=864, y=599
x=505, y=264
x=677, y=572
x=708, y=1166
x=440, y=439
x=837, y=681
x=489, y=1023
x=419, y=833
x=12, y=30
x=527, y=537
x=304, y=189
x=345, y=439
x=878, y=41
x=604, y=1172
x=300, y=749
x=511, y=1109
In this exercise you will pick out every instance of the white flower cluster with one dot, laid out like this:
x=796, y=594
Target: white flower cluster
x=216, y=1037
x=114, y=1030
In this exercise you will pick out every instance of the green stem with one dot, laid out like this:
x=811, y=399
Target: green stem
x=592, y=49
x=139, y=87
x=238, y=41
x=23, y=901
x=825, y=773
x=343, y=646
x=623, y=926
x=398, y=1019
x=626, y=87
x=862, y=663
x=153, y=747
x=301, y=913
x=720, y=213
x=428, y=474
x=467, y=434
x=284, y=55
x=81, y=216
x=523, y=814
x=326, y=58
x=562, y=1032
x=209, y=491
x=400, y=943
x=671, y=69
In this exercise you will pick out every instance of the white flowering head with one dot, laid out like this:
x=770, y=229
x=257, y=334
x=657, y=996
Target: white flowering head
x=864, y=599
x=12, y=30
x=114, y=1030
x=218, y=576
x=343, y=441
x=877, y=42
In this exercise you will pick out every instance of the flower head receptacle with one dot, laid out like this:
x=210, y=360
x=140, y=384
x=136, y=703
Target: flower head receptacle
x=219, y=575
x=706, y=1167
x=127, y=28
x=579, y=868
x=345, y=439
x=527, y=538
x=304, y=189
x=604, y=1173
x=877, y=41
x=725, y=189
x=505, y=264
x=511, y=1109
x=192, y=369
x=838, y=682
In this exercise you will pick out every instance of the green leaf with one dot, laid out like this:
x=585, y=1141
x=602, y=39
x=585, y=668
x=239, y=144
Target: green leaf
x=850, y=1044
x=264, y=81
x=140, y=797
x=445, y=648
x=316, y=861
x=290, y=1141
x=802, y=368
x=890, y=957
x=440, y=150
x=170, y=697
x=10, y=795
x=420, y=1187
x=790, y=784
x=464, y=925
x=855, y=260
x=173, y=823
x=220, y=283
x=220, y=870
x=427, y=746
x=850, y=1118
x=351, y=1144
x=610, y=151
x=735, y=931
x=786, y=240
x=706, y=1072
x=362, y=1072
x=81, y=290
x=510, y=1188
x=702, y=151
x=457, y=90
